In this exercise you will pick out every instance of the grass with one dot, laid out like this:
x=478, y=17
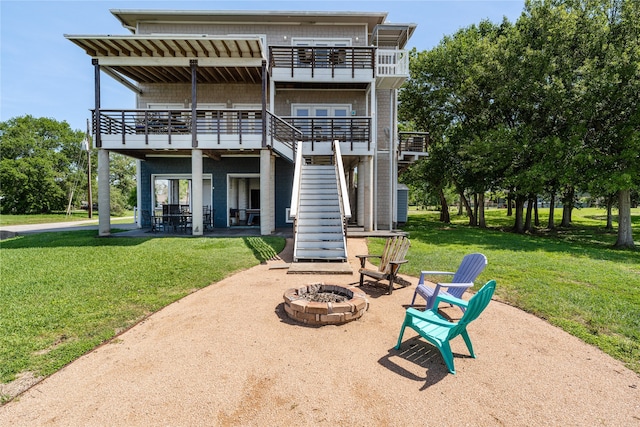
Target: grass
x=64, y=293
x=573, y=277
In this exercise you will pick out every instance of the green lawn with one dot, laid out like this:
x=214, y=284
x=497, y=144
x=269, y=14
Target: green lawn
x=64, y=293
x=572, y=278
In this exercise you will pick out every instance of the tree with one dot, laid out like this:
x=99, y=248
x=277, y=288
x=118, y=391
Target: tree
x=122, y=177
x=547, y=106
x=39, y=157
x=450, y=94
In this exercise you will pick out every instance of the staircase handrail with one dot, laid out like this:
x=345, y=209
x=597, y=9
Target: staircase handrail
x=295, y=192
x=344, y=194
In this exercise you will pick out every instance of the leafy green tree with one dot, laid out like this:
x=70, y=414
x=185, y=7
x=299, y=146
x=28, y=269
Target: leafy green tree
x=122, y=177
x=546, y=106
x=39, y=157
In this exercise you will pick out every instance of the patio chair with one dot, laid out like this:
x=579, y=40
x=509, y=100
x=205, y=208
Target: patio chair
x=469, y=269
x=390, y=261
x=439, y=331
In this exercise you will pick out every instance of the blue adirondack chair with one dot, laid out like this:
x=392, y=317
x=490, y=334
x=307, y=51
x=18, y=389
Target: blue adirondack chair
x=439, y=331
x=469, y=269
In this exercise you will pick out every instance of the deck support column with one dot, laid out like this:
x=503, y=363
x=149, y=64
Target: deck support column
x=267, y=196
x=196, y=196
x=369, y=195
x=104, y=194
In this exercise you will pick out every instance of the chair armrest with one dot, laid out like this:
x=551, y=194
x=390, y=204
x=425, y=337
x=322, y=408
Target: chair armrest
x=456, y=285
x=363, y=258
x=433, y=273
x=430, y=316
x=404, y=261
x=450, y=299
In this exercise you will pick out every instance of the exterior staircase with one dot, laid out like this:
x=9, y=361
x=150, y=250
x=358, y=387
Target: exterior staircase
x=319, y=232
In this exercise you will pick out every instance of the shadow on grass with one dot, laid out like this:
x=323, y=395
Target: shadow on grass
x=265, y=248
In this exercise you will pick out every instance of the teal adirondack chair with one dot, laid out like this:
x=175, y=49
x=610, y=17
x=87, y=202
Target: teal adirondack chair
x=439, y=331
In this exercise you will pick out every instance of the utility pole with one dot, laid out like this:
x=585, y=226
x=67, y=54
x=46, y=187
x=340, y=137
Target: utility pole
x=88, y=139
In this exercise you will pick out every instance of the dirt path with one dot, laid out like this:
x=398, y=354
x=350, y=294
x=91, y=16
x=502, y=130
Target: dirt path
x=228, y=355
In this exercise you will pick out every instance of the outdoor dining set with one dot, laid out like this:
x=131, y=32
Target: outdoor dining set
x=178, y=218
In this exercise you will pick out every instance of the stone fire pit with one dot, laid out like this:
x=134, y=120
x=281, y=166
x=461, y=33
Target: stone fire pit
x=320, y=304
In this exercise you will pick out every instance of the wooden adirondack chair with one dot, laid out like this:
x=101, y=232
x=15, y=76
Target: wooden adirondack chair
x=390, y=261
x=439, y=331
x=469, y=269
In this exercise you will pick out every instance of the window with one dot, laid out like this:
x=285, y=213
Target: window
x=324, y=53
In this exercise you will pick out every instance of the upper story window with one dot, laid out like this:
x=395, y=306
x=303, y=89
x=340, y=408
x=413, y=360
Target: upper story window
x=304, y=41
x=318, y=56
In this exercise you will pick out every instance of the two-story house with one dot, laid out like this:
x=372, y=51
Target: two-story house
x=268, y=119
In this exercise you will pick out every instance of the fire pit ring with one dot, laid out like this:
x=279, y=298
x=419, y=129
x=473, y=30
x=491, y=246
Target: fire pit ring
x=300, y=306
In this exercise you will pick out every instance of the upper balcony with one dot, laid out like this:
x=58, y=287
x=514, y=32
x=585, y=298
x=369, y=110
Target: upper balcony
x=412, y=146
x=389, y=68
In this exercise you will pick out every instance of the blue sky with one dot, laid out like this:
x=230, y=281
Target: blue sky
x=45, y=75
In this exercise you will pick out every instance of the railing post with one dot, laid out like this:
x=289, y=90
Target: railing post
x=96, y=74
x=122, y=127
x=353, y=63
x=146, y=127
x=193, y=63
x=264, y=103
x=169, y=127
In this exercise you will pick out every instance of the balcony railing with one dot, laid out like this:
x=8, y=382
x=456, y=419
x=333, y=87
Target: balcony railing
x=416, y=142
x=314, y=130
x=179, y=122
x=315, y=58
x=392, y=63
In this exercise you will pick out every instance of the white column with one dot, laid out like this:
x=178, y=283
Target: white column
x=369, y=196
x=243, y=198
x=362, y=171
x=104, y=194
x=267, y=176
x=196, y=192
x=374, y=167
x=139, y=192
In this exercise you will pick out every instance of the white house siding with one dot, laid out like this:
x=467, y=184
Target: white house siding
x=275, y=33
x=386, y=131
x=285, y=98
x=207, y=93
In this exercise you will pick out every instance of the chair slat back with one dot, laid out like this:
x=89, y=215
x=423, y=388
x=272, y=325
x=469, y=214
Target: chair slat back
x=395, y=249
x=477, y=304
x=469, y=269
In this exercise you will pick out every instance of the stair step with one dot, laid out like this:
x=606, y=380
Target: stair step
x=320, y=245
x=311, y=228
x=332, y=191
x=314, y=223
x=313, y=186
x=320, y=254
x=319, y=168
x=320, y=236
x=319, y=214
x=325, y=194
x=320, y=207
